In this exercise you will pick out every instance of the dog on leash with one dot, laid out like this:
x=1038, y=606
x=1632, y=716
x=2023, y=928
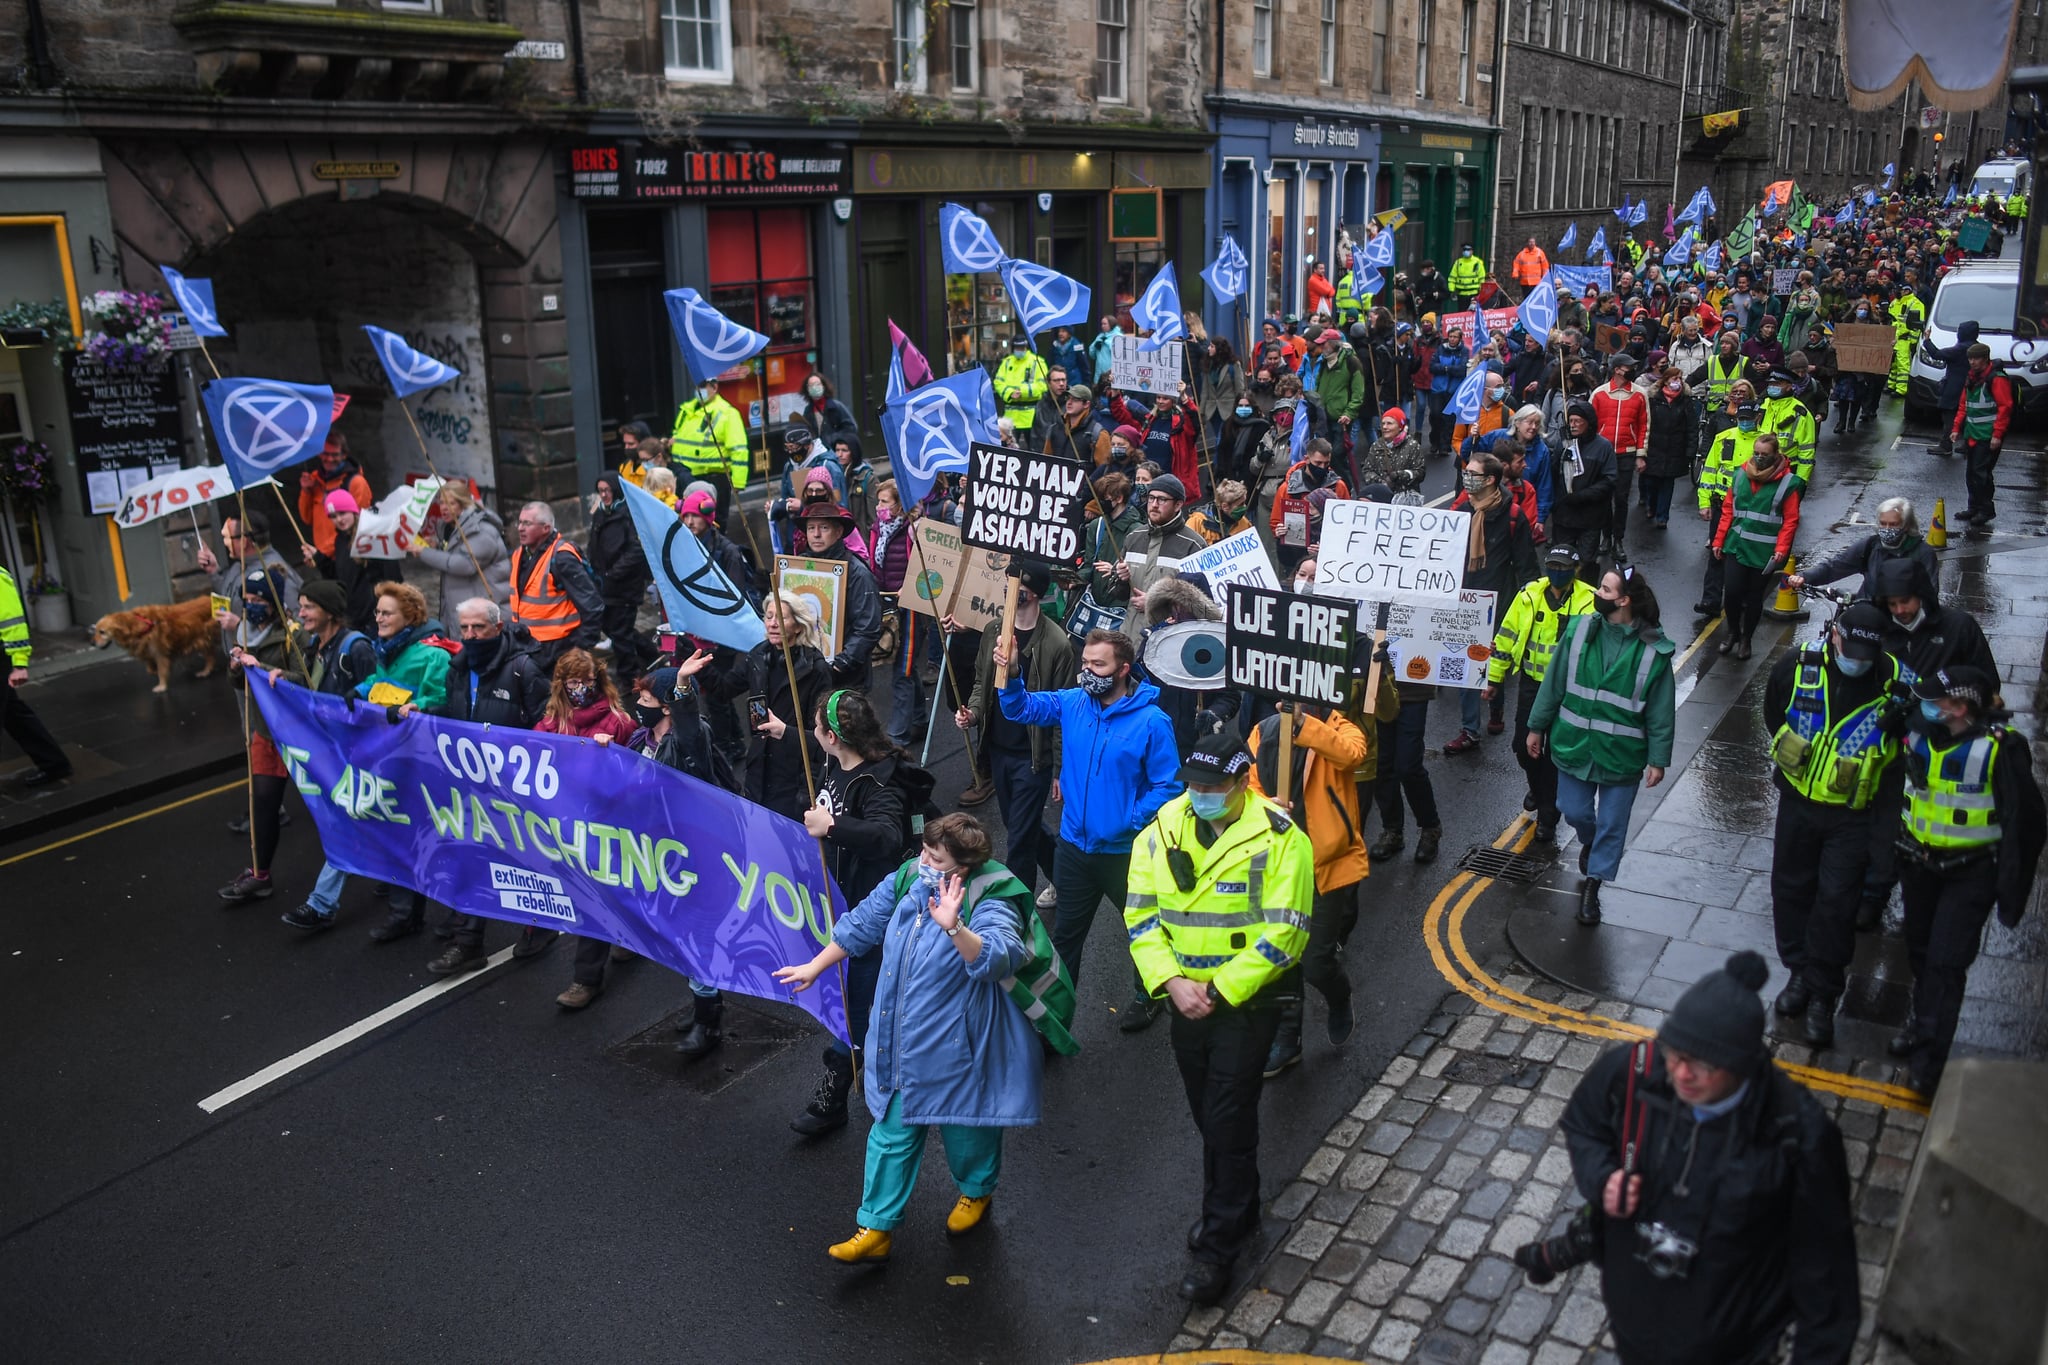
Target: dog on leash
x=157, y=635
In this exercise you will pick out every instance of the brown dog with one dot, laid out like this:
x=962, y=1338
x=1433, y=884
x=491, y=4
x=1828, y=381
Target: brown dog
x=157, y=635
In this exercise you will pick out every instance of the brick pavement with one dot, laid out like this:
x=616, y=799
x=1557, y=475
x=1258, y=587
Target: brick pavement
x=1403, y=1221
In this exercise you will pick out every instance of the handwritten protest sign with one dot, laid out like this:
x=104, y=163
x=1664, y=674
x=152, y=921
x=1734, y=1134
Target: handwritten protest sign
x=1136, y=371
x=1234, y=559
x=1028, y=503
x=1784, y=281
x=1443, y=642
x=1374, y=551
x=945, y=578
x=1863, y=347
x=176, y=491
x=392, y=527
x=1287, y=646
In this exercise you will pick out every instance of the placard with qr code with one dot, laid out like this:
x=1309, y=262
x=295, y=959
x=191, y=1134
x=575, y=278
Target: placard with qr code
x=1438, y=641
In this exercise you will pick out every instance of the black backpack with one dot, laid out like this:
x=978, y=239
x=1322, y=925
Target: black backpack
x=917, y=786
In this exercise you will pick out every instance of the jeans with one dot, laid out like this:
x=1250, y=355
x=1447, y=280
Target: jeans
x=1021, y=796
x=1440, y=421
x=1657, y=494
x=1743, y=597
x=1599, y=813
x=326, y=893
x=1222, y=1061
x=1081, y=881
x=1624, y=494
x=1401, y=772
x=896, y=1150
x=1979, y=460
x=1816, y=884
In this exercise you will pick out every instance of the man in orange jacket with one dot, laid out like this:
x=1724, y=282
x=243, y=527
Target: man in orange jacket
x=1323, y=796
x=1531, y=265
x=335, y=472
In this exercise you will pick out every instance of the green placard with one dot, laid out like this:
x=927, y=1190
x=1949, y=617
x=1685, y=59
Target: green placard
x=1134, y=215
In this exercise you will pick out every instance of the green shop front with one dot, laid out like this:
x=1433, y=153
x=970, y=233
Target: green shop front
x=1442, y=178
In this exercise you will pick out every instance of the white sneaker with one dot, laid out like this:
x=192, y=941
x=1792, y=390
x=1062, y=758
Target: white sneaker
x=1047, y=899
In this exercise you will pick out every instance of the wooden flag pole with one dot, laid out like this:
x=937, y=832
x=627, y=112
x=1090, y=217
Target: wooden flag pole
x=1285, y=794
x=1009, y=640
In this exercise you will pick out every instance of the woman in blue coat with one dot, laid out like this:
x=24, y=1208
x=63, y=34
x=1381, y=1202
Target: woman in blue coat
x=946, y=1047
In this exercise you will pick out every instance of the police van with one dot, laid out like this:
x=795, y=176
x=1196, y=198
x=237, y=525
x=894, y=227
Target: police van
x=2001, y=175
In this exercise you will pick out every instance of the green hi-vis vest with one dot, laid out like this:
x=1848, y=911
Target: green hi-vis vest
x=1833, y=758
x=1759, y=513
x=1467, y=274
x=1980, y=412
x=1529, y=631
x=1041, y=987
x=1949, y=802
x=1601, y=720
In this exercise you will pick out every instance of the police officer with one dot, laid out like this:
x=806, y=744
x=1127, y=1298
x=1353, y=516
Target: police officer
x=1829, y=705
x=1718, y=1190
x=1973, y=833
x=1020, y=382
x=710, y=441
x=1468, y=272
x=1522, y=647
x=1221, y=889
x=1787, y=416
x=49, y=762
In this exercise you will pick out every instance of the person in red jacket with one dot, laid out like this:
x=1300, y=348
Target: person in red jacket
x=1759, y=518
x=1322, y=294
x=1982, y=416
x=1624, y=415
x=335, y=471
x=1168, y=434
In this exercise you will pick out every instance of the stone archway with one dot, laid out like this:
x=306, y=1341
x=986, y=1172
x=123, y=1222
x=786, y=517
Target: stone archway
x=261, y=213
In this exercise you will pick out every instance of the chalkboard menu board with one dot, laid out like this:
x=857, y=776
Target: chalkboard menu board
x=126, y=427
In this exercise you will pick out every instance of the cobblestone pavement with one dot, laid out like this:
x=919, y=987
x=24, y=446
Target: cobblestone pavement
x=1403, y=1221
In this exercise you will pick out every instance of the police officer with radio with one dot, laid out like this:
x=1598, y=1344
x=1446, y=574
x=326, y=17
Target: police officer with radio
x=1835, y=733
x=1973, y=833
x=1717, y=1192
x=1222, y=886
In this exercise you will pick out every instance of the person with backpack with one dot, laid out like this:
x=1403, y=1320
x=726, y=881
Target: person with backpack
x=1499, y=558
x=340, y=658
x=871, y=801
x=955, y=1051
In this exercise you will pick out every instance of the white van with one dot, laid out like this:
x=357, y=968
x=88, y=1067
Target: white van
x=2002, y=175
x=1986, y=292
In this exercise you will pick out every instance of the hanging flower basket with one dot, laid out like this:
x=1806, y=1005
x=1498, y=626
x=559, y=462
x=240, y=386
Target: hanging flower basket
x=130, y=331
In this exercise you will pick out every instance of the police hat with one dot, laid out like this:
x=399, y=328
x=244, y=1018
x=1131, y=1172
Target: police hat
x=1217, y=760
x=1957, y=682
x=1862, y=627
x=1561, y=556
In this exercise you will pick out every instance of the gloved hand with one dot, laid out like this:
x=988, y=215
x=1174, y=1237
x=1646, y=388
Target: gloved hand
x=1207, y=722
x=1402, y=479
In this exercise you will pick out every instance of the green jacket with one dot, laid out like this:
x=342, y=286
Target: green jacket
x=420, y=668
x=13, y=622
x=1106, y=545
x=1341, y=387
x=1617, y=716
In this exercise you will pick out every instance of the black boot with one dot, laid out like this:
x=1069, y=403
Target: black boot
x=1286, y=1041
x=1426, y=841
x=1820, y=1021
x=1589, y=901
x=397, y=925
x=1906, y=1041
x=826, y=1112
x=703, y=1034
x=1792, y=1001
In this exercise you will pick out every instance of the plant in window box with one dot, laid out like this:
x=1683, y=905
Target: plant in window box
x=35, y=324
x=130, y=330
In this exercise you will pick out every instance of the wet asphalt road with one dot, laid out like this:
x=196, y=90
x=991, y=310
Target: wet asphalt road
x=492, y=1179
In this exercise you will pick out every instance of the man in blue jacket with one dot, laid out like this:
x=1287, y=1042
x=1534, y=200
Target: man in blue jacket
x=1119, y=763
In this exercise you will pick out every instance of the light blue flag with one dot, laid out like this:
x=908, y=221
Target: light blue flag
x=1570, y=238
x=1692, y=210
x=1043, y=297
x=967, y=243
x=1577, y=277
x=1538, y=311
x=1228, y=274
x=1711, y=258
x=408, y=370
x=1771, y=201
x=1622, y=212
x=1640, y=214
x=1158, y=309
x=1379, y=252
x=1890, y=170
x=1681, y=250
x=712, y=342
x=699, y=599
x=263, y=425
x=1479, y=336
x=1366, y=280
x=1297, y=435
x=1470, y=393
x=1870, y=198
x=195, y=300
x=1949, y=198
x=1598, y=246
x=930, y=429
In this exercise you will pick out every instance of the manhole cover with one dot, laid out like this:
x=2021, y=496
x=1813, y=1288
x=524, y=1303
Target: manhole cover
x=1501, y=864
x=753, y=1037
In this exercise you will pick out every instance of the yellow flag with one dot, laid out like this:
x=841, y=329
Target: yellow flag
x=1716, y=124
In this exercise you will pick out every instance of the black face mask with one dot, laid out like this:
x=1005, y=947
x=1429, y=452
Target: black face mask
x=649, y=716
x=1313, y=475
x=481, y=653
x=1607, y=606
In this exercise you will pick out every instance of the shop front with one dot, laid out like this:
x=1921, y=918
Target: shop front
x=1441, y=177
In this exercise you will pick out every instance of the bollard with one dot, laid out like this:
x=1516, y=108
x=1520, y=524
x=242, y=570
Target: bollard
x=1937, y=530
x=1786, y=606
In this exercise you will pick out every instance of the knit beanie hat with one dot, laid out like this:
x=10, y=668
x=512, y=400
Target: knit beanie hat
x=1400, y=416
x=1720, y=1018
x=341, y=500
x=327, y=595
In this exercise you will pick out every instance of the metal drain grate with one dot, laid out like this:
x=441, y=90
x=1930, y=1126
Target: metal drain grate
x=1489, y=861
x=753, y=1038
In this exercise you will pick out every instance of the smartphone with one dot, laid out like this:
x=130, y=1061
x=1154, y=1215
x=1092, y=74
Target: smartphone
x=757, y=709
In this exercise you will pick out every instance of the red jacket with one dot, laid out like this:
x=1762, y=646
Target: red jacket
x=1624, y=417
x=1524, y=494
x=1181, y=436
x=2001, y=390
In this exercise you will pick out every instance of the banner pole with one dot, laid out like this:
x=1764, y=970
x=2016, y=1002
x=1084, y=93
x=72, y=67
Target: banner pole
x=945, y=652
x=1009, y=637
x=248, y=696
x=460, y=534
x=1187, y=361
x=1285, y=786
x=931, y=721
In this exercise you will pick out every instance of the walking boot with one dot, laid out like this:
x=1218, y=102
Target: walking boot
x=866, y=1244
x=1204, y=1283
x=1426, y=842
x=1906, y=1041
x=1389, y=844
x=1792, y=1001
x=968, y=1211
x=1286, y=1050
x=1589, y=901
x=1139, y=1014
x=397, y=925
x=703, y=1034
x=826, y=1113
x=1820, y=1021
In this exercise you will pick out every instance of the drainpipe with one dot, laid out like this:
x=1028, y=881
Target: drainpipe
x=1219, y=53
x=575, y=51
x=42, y=69
x=1684, y=79
x=1500, y=72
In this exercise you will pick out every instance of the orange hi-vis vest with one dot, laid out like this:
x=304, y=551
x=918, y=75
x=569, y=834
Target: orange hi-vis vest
x=538, y=602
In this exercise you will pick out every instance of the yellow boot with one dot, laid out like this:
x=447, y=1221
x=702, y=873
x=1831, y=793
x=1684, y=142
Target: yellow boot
x=867, y=1244
x=967, y=1214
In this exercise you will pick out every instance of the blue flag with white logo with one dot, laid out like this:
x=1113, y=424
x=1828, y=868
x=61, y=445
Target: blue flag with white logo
x=1228, y=274
x=1158, y=310
x=699, y=599
x=263, y=425
x=195, y=300
x=1379, y=252
x=1694, y=208
x=1870, y=198
x=1640, y=214
x=1365, y=281
x=1578, y=277
x=1297, y=435
x=408, y=370
x=1681, y=250
x=1890, y=170
x=1949, y=198
x=1622, y=212
x=1470, y=393
x=1771, y=201
x=1570, y=238
x=1711, y=258
x=967, y=243
x=712, y=342
x=1598, y=246
x=1538, y=311
x=1044, y=298
x=929, y=429
x=1479, y=335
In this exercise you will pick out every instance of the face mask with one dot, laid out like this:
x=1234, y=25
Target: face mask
x=1095, y=684
x=1314, y=474
x=816, y=389
x=1746, y=423
x=1891, y=537
x=1775, y=391
x=1854, y=668
x=704, y=394
x=1474, y=482
x=579, y=694
x=1244, y=413
x=1561, y=578
x=1209, y=805
x=1496, y=396
x=885, y=514
x=1911, y=623
x=1607, y=606
x=929, y=878
x=1931, y=712
x=650, y=716
x=1304, y=585
x=1674, y=388
x=256, y=613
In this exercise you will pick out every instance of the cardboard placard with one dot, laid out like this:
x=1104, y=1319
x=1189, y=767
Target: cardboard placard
x=821, y=585
x=1444, y=642
x=1240, y=558
x=393, y=526
x=1607, y=338
x=945, y=578
x=1026, y=503
x=1288, y=647
x=1863, y=347
x=1372, y=551
x=1136, y=371
x=1784, y=281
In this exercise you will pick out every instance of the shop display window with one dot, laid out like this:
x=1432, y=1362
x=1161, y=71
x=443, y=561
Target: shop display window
x=762, y=276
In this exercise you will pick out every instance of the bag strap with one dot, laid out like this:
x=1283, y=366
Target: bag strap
x=1635, y=1119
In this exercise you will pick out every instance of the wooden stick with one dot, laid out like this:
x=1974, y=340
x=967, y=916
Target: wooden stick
x=945, y=652
x=1372, y=672
x=248, y=696
x=1009, y=640
x=1285, y=794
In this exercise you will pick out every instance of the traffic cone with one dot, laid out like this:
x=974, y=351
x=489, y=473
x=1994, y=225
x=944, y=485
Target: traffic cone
x=1937, y=530
x=1786, y=606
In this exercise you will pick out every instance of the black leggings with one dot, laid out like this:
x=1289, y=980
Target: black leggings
x=267, y=792
x=1743, y=598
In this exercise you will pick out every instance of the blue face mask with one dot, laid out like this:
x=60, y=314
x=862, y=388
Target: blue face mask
x=1243, y=413
x=1854, y=668
x=256, y=613
x=1209, y=805
x=1931, y=712
x=929, y=877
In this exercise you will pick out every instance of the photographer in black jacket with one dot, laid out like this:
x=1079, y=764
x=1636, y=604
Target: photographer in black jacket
x=1719, y=1191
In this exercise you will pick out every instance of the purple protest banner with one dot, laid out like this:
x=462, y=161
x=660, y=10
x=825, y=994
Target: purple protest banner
x=563, y=833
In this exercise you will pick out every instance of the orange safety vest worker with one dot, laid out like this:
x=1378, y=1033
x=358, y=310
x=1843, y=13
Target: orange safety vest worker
x=538, y=602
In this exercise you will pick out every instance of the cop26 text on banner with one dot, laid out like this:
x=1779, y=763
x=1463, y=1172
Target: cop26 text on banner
x=1027, y=503
x=1373, y=551
x=562, y=833
x=1287, y=646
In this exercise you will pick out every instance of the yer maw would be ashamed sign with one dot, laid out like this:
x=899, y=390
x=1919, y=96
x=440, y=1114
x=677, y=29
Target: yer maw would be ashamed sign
x=1025, y=503
x=1373, y=551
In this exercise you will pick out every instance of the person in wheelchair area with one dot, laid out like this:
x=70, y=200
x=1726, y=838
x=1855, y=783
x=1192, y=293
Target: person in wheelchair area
x=1717, y=1192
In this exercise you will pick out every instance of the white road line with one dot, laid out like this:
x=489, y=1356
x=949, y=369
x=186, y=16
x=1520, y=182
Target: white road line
x=249, y=1085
